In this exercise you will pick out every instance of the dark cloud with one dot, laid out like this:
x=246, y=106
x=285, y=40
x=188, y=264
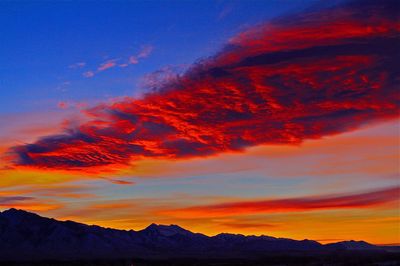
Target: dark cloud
x=6, y=200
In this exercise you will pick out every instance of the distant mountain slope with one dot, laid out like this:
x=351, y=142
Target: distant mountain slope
x=352, y=245
x=27, y=236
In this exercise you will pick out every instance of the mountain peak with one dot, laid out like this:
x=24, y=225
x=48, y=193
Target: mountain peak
x=152, y=226
x=228, y=236
x=158, y=226
x=166, y=230
x=352, y=245
x=16, y=216
x=14, y=211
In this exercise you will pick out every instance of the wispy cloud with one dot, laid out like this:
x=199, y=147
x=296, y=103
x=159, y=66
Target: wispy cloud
x=106, y=65
x=133, y=60
x=77, y=65
x=301, y=204
x=27, y=203
x=63, y=87
x=118, y=181
x=88, y=74
x=63, y=105
x=145, y=52
x=225, y=11
x=102, y=67
x=121, y=63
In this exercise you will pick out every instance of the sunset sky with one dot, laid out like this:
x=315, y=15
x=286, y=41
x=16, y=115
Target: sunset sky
x=254, y=117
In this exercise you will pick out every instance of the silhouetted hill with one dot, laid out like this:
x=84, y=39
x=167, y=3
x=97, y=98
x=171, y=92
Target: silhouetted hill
x=28, y=236
x=352, y=245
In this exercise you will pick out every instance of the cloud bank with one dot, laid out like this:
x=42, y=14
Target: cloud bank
x=305, y=76
x=309, y=203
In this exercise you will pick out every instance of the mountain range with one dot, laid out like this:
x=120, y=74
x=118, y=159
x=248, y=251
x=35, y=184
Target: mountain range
x=28, y=236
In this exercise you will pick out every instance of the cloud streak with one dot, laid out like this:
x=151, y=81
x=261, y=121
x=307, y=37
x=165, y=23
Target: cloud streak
x=27, y=203
x=112, y=63
x=88, y=74
x=301, y=77
x=77, y=65
x=145, y=52
x=301, y=204
x=106, y=65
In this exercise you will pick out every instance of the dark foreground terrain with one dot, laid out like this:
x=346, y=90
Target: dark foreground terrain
x=335, y=258
x=29, y=239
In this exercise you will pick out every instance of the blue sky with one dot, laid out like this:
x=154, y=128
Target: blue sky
x=40, y=40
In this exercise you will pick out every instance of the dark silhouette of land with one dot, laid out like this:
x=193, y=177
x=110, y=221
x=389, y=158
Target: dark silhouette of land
x=29, y=239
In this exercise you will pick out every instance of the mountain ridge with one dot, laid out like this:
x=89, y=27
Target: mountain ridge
x=26, y=235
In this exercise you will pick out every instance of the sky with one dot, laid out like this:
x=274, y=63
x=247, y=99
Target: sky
x=252, y=117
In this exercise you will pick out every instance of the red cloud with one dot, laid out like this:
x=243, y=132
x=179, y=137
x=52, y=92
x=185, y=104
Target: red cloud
x=304, y=77
x=361, y=200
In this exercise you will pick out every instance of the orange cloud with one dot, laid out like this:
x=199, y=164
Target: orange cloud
x=310, y=203
x=106, y=206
